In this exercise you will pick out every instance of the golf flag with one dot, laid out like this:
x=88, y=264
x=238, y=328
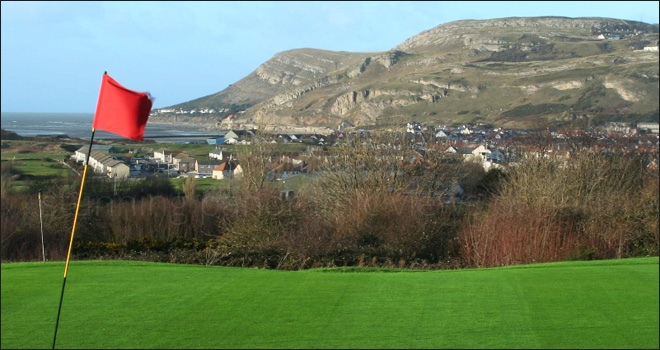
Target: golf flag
x=121, y=111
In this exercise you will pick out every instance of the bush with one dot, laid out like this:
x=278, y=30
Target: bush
x=551, y=209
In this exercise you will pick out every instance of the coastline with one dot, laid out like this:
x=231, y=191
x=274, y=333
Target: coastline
x=78, y=126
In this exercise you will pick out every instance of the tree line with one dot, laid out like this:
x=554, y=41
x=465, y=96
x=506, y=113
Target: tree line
x=380, y=203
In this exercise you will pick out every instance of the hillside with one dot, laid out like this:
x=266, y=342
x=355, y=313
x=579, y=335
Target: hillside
x=507, y=72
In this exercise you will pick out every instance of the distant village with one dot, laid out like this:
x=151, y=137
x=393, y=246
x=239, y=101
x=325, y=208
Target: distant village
x=491, y=148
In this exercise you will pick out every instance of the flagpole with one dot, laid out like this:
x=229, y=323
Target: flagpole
x=73, y=230
x=132, y=114
x=41, y=220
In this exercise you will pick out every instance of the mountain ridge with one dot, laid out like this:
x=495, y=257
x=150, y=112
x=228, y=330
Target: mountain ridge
x=503, y=71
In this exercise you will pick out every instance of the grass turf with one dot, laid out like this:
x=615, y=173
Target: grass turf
x=121, y=304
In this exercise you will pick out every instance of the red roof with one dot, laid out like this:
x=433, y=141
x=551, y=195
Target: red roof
x=224, y=166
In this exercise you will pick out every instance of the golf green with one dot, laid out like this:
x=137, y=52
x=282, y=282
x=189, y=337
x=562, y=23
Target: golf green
x=124, y=304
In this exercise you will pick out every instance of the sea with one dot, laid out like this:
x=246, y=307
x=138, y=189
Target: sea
x=80, y=125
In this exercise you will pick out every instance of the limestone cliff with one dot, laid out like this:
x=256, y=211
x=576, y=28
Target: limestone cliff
x=479, y=71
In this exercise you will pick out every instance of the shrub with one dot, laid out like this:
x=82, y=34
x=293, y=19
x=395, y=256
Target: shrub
x=549, y=209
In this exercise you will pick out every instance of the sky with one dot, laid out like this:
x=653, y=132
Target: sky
x=54, y=53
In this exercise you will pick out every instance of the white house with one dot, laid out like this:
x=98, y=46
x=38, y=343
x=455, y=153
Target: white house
x=481, y=151
x=227, y=170
x=649, y=127
x=163, y=155
x=81, y=154
x=102, y=163
x=117, y=169
x=220, y=154
x=98, y=161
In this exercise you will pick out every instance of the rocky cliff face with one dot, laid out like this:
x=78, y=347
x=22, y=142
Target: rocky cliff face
x=492, y=71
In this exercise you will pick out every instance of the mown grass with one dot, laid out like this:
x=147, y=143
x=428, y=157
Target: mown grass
x=37, y=167
x=202, y=185
x=21, y=156
x=33, y=168
x=120, y=304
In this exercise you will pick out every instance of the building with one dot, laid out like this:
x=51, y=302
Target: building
x=227, y=170
x=102, y=162
x=206, y=166
x=81, y=154
x=220, y=154
x=184, y=162
x=164, y=156
x=117, y=169
x=215, y=140
x=648, y=127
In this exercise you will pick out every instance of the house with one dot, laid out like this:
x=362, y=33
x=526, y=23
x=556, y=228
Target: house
x=229, y=137
x=81, y=154
x=164, y=155
x=465, y=151
x=97, y=161
x=117, y=169
x=220, y=154
x=206, y=166
x=103, y=163
x=184, y=162
x=496, y=156
x=285, y=170
x=481, y=152
x=215, y=140
x=227, y=170
x=648, y=127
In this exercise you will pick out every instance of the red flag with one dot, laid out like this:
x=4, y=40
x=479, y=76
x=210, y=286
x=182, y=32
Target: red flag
x=121, y=111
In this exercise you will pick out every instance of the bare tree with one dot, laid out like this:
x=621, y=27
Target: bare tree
x=382, y=164
x=189, y=187
x=254, y=160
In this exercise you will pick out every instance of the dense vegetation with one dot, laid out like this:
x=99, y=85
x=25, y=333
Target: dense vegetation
x=371, y=207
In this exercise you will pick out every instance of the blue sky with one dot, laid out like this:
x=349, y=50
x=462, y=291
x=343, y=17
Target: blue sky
x=54, y=53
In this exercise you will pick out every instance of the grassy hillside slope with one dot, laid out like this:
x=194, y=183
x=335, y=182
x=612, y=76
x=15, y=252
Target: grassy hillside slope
x=599, y=304
x=510, y=72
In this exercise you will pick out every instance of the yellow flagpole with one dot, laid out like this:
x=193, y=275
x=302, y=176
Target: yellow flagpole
x=73, y=231
x=41, y=221
x=75, y=217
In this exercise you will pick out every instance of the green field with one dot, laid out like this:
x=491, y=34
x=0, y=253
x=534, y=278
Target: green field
x=35, y=166
x=20, y=156
x=203, y=185
x=41, y=168
x=107, y=304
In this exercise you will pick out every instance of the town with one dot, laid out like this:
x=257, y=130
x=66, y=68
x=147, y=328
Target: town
x=491, y=148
